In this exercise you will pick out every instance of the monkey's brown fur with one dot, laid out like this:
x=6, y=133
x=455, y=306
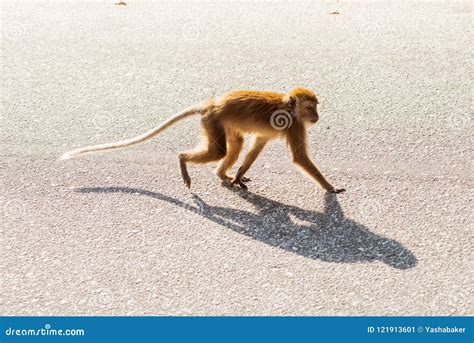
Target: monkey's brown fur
x=226, y=119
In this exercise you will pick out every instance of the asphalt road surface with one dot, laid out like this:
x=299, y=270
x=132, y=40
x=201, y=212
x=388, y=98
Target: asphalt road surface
x=120, y=234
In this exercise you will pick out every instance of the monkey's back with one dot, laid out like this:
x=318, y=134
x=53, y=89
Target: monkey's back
x=248, y=111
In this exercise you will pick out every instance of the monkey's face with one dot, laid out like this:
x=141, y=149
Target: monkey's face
x=308, y=111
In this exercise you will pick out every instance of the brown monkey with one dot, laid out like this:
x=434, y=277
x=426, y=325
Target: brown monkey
x=226, y=119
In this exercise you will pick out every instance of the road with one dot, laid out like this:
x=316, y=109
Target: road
x=119, y=234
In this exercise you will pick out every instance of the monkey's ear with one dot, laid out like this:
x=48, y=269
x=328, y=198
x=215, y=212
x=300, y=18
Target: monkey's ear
x=291, y=103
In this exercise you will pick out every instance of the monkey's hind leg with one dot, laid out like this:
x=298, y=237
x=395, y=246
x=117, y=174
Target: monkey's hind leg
x=216, y=150
x=235, y=143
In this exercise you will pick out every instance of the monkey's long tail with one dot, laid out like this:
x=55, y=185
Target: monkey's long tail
x=136, y=140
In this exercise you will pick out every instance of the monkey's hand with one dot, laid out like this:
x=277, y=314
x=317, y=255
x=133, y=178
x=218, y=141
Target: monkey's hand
x=187, y=181
x=336, y=190
x=240, y=182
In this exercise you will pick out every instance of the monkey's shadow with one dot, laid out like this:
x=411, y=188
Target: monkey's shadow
x=328, y=236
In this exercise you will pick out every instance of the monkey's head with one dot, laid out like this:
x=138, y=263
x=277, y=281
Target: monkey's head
x=303, y=104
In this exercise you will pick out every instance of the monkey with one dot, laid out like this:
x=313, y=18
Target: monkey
x=226, y=119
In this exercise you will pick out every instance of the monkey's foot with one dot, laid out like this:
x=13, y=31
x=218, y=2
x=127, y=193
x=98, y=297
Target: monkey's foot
x=226, y=180
x=229, y=181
